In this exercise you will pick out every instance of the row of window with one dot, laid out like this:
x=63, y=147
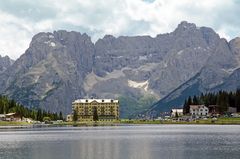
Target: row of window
x=200, y=113
x=200, y=110
x=102, y=101
x=97, y=104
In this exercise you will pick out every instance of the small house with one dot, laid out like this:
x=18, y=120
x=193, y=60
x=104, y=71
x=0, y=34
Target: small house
x=13, y=117
x=198, y=110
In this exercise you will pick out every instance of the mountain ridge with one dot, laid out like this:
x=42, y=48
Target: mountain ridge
x=61, y=66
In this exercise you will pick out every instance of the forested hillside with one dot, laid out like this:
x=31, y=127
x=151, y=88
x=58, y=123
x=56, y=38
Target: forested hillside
x=222, y=99
x=10, y=106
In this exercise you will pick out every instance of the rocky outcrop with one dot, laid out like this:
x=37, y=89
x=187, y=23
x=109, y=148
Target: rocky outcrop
x=5, y=62
x=51, y=72
x=221, y=72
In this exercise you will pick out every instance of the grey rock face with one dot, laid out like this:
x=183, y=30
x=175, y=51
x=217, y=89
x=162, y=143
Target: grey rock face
x=165, y=62
x=50, y=74
x=5, y=62
x=221, y=72
x=61, y=66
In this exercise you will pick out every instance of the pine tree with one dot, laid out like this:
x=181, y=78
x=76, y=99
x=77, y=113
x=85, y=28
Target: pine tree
x=95, y=114
x=75, y=116
x=222, y=101
x=237, y=100
x=60, y=116
x=186, y=107
x=195, y=100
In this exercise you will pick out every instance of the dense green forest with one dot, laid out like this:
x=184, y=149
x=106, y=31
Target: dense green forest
x=10, y=106
x=222, y=99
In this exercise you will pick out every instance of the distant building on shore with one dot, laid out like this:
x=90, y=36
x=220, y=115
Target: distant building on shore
x=214, y=110
x=198, y=110
x=176, y=112
x=10, y=117
x=232, y=110
x=106, y=109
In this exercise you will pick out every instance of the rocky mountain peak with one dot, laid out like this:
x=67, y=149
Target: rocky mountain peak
x=5, y=62
x=64, y=65
x=184, y=26
x=108, y=37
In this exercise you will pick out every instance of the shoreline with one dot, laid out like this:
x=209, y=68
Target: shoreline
x=220, y=121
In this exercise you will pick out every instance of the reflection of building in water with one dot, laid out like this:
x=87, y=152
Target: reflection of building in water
x=107, y=109
x=99, y=148
x=96, y=145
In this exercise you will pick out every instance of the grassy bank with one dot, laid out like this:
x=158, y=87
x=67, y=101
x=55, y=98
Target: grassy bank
x=88, y=123
x=13, y=123
x=219, y=121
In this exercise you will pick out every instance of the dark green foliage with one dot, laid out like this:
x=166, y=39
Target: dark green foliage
x=237, y=100
x=176, y=115
x=75, y=116
x=8, y=106
x=95, y=114
x=222, y=99
x=60, y=116
x=195, y=100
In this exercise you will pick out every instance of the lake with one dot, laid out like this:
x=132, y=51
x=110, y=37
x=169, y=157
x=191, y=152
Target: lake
x=122, y=142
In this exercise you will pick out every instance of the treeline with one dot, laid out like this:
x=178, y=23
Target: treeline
x=10, y=106
x=222, y=99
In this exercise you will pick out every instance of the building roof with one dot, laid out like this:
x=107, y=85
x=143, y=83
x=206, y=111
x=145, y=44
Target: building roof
x=9, y=114
x=177, y=110
x=96, y=100
x=196, y=106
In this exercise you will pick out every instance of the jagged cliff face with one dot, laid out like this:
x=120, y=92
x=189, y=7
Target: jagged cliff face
x=156, y=65
x=51, y=72
x=221, y=72
x=61, y=66
x=5, y=62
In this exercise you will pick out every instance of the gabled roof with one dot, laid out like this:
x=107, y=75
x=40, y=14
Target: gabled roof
x=177, y=110
x=197, y=106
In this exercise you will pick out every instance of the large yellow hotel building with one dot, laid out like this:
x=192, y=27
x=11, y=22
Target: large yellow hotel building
x=107, y=109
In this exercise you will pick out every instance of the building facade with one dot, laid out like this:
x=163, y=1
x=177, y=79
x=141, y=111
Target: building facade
x=176, y=112
x=198, y=110
x=105, y=109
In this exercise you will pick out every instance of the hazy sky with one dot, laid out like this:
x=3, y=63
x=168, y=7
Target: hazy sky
x=21, y=19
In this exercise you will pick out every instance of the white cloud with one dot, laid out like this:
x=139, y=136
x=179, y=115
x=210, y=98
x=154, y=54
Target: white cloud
x=100, y=17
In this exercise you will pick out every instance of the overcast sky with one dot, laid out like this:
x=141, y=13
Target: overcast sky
x=21, y=19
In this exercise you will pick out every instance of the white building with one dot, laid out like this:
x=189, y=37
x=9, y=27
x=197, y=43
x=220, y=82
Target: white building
x=198, y=110
x=179, y=112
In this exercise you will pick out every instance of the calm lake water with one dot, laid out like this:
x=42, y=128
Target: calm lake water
x=122, y=142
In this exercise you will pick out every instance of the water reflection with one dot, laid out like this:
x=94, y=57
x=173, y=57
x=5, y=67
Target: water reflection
x=131, y=142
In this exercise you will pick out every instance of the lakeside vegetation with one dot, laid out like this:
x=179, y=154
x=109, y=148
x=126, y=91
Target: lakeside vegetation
x=209, y=121
x=219, y=121
x=222, y=99
x=10, y=106
x=13, y=123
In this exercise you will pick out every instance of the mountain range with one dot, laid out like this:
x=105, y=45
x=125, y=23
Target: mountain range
x=145, y=73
